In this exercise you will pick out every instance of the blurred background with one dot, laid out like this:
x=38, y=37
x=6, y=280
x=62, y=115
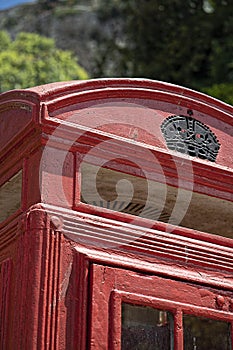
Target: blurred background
x=189, y=43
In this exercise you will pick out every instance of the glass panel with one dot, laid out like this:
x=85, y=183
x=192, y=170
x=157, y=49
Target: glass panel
x=145, y=328
x=142, y=197
x=205, y=334
x=10, y=196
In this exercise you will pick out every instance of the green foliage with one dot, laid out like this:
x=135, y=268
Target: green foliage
x=48, y=4
x=63, y=11
x=4, y=40
x=32, y=60
x=183, y=42
x=222, y=91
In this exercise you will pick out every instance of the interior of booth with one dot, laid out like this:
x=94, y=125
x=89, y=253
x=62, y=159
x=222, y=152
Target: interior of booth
x=115, y=190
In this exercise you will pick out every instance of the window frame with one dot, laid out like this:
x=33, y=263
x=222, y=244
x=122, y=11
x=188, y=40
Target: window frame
x=110, y=287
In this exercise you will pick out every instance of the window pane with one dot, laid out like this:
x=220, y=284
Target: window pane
x=145, y=328
x=205, y=334
x=10, y=196
x=131, y=194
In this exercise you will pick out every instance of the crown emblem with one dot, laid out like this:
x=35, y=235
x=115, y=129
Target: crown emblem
x=190, y=136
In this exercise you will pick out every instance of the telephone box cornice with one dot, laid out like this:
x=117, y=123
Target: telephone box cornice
x=54, y=90
x=62, y=90
x=22, y=111
x=154, y=250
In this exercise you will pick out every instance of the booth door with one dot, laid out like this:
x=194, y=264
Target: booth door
x=134, y=311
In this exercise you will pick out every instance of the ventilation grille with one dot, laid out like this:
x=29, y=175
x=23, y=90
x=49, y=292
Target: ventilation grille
x=134, y=208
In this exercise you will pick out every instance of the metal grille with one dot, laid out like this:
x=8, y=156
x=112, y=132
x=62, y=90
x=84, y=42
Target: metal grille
x=133, y=208
x=190, y=136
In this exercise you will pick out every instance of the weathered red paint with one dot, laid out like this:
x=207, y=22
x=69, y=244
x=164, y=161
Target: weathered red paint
x=58, y=291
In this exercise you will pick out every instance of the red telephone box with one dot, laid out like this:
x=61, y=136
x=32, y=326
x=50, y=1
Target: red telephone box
x=116, y=225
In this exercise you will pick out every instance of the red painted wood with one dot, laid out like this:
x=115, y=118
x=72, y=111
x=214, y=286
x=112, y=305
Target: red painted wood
x=62, y=286
x=111, y=287
x=5, y=282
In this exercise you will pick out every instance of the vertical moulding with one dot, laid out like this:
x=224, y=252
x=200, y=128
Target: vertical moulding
x=80, y=310
x=115, y=321
x=78, y=179
x=5, y=279
x=50, y=283
x=178, y=330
